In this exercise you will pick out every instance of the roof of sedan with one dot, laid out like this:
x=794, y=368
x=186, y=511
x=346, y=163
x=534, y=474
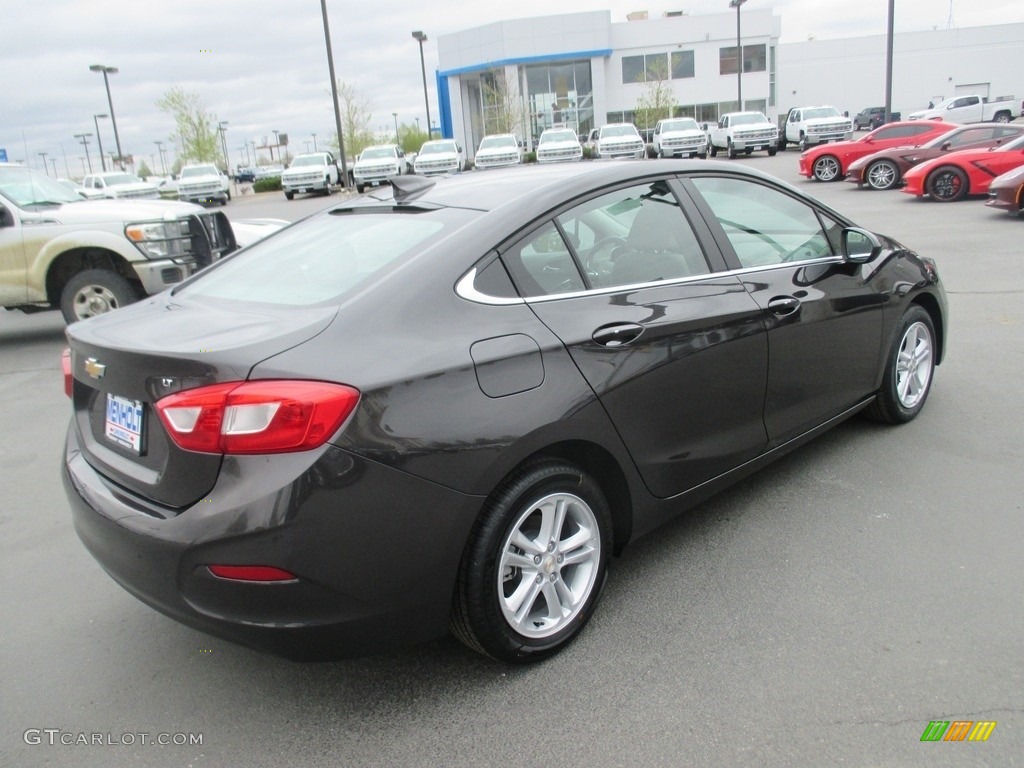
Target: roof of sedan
x=486, y=190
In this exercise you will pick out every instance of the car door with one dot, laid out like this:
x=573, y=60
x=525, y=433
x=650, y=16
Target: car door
x=823, y=316
x=674, y=349
x=13, y=262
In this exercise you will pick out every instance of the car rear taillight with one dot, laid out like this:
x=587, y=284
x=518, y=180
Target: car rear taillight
x=65, y=365
x=263, y=573
x=271, y=416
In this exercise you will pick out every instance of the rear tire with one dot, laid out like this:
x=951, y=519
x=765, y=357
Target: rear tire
x=535, y=564
x=909, y=371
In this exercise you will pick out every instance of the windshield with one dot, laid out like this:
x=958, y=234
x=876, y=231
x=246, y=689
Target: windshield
x=377, y=152
x=618, y=130
x=810, y=114
x=326, y=259
x=680, y=125
x=25, y=187
x=750, y=119
x=497, y=142
x=307, y=160
x=114, y=179
x=549, y=137
x=199, y=170
x=437, y=147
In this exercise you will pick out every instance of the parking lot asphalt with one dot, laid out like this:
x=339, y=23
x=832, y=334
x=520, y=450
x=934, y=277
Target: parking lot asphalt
x=822, y=612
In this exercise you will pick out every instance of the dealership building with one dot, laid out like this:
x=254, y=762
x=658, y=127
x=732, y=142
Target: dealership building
x=581, y=70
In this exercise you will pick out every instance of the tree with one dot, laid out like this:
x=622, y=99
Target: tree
x=144, y=170
x=356, y=114
x=504, y=111
x=657, y=100
x=196, y=129
x=412, y=138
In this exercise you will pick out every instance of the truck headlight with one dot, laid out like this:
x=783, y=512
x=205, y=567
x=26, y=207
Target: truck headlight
x=160, y=239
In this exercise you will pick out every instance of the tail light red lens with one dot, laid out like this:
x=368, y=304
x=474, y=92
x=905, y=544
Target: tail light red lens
x=65, y=365
x=254, y=417
x=251, y=573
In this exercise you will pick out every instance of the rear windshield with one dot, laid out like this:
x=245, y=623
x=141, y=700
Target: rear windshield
x=324, y=259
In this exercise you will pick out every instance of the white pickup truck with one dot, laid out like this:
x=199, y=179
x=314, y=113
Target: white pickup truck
x=203, y=183
x=679, y=136
x=86, y=257
x=971, y=109
x=743, y=132
x=313, y=172
x=806, y=126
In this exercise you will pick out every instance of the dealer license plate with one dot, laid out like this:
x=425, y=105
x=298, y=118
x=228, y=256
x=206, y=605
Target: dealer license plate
x=124, y=422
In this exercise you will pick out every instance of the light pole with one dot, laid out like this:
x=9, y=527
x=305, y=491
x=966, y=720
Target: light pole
x=224, y=145
x=84, y=139
x=314, y=144
x=110, y=102
x=398, y=139
x=99, y=139
x=276, y=144
x=334, y=95
x=160, y=149
x=45, y=169
x=422, y=38
x=739, y=55
x=53, y=162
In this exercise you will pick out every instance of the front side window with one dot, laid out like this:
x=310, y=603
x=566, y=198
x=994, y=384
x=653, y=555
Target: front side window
x=766, y=226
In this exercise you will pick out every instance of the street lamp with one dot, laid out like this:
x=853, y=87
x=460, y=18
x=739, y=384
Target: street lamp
x=84, y=139
x=224, y=145
x=160, y=149
x=277, y=143
x=53, y=162
x=106, y=81
x=314, y=144
x=398, y=139
x=45, y=169
x=99, y=139
x=739, y=55
x=422, y=38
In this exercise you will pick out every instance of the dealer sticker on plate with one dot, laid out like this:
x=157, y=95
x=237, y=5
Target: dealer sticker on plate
x=124, y=422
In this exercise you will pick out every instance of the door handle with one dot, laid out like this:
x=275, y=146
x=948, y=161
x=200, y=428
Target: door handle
x=617, y=335
x=784, y=305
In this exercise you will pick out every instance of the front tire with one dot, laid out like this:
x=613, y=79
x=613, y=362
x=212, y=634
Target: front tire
x=908, y=374
x=947, y=184
x=95, y=292
x=289, y=195
x=714, y=151
x=826, y=168
x=882, y=174
x=535, y=564
x=732, y=151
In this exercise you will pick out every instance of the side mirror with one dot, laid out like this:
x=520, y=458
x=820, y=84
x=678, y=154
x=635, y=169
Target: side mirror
x=6, y=220
x=946, y=145
x=860, y=246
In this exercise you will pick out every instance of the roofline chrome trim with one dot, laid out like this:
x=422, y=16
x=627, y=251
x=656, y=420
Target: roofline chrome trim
x=466, y=289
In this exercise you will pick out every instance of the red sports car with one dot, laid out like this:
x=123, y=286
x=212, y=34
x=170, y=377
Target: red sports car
x=885, y=169
x=828, y=162
x=1007, y=192
x=968, y=172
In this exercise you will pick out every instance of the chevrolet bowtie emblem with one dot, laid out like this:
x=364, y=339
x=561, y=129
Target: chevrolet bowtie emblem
x=95, y=368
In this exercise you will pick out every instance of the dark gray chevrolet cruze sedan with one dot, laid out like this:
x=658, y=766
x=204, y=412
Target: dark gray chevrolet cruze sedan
x=445, y=406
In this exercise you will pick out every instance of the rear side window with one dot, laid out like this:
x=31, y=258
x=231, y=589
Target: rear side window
x=323, y=259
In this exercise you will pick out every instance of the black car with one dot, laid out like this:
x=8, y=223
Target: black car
x=446, y=405
x=245, y=174
x=873, y=117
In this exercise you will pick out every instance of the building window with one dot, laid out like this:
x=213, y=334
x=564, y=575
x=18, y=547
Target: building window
x=560, y=95
x=643, y=69
x=771, y=78
x=754, y=59
x=682, y=64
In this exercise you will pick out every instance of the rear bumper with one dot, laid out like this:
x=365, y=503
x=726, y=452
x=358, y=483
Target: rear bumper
x=376, y=552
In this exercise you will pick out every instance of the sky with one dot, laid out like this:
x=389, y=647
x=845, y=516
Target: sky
x=261, y=65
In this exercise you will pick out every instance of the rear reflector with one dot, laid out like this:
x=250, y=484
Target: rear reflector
x=251, y=417
x=65, y=364
x=251, y=573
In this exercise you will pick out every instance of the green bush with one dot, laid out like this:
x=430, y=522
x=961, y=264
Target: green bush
x=273, y=184
x=588, y=153
x=529, y=157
